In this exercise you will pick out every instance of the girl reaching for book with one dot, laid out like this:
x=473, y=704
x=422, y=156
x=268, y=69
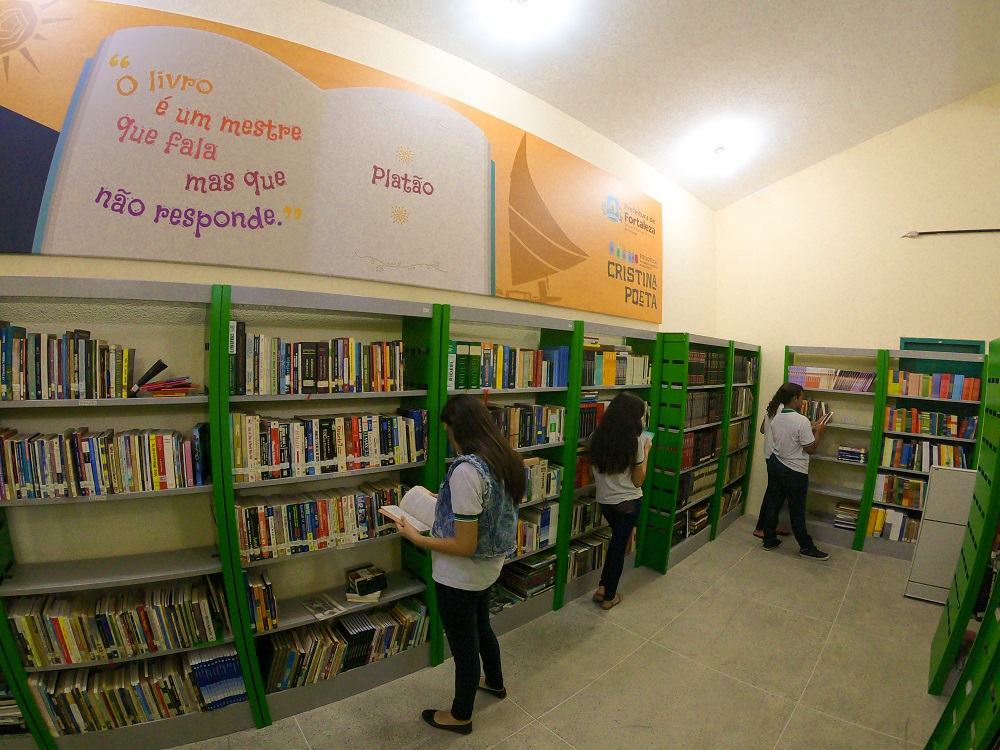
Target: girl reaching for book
x=619, y=453
x=793, y=440
x=474, y=530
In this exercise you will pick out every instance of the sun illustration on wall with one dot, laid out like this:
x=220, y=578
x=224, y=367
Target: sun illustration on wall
x=19, y=22
x=400, y=215
x=404, y=154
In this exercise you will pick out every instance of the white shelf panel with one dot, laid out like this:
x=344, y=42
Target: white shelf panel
x=832, y=351
x=703, y=464
x=706, y=387
x=832, y=490
x=689, y=545
x=835, y=460
x=174, y=402
x=600, y=329
x=894, y=506
x=113, y=289
x=523, y=613
x=501, y=318
x=505, y=391
x=297, y=397
x=695, y=339
x=842, y=426
x=634, y=387
x=943, y=356
x=312, y=555
x=156, y=494
x=933, y=398
x=902, y=470
x=313, y=301
x=336, y=475
x=839, y=392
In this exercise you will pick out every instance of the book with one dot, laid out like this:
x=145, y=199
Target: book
x=151, y=373
x=365, y=579
x=362, y=598
x=322, y=606
x=417, y=506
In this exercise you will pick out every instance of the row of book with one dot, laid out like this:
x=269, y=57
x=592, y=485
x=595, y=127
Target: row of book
x=39, y=366
x=11, y=720
x=537, y=527
x=745, y=368
x=731, y=499
x=815, y=411
x=736, y=465
x=274, y=447
x=703, y=407
x=830, y=379
x=742, y=403
x=529, y=577
x=81, y=463
x=852, y=454
x=697, y=518
x=260, y=597
x=279, y=526
x=543, y=479
x=591, y=411
x=932, y=423
x=921, y=455
x=696, y=482
x=700, y=446
x=261, y=365
x=954, y=386
x=893, y=524
x=588, y=553
x=74, y=629
x=586, y=516
x=73, y=701
x=526, y=425
x=707, y=366
x=896, y=490
x=316, y=652
x=484, y=364
x=614, y=365
x=739, y=433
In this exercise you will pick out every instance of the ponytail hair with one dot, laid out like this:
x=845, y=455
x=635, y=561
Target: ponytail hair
x=782, y=397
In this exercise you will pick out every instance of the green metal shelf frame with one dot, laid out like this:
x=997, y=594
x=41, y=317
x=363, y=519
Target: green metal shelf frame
x=744, y=482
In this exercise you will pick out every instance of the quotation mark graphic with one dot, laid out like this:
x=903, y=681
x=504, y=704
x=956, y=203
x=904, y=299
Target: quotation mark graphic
x=296, y=212
x=115, y=61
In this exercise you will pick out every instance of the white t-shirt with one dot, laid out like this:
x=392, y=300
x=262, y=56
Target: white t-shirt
x=768, y=437
x=791, y=433
x=613, y=489
x=466, y=573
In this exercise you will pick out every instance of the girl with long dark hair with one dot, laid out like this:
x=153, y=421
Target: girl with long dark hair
x=475, y=526
x=619, y=459
x=794, y=439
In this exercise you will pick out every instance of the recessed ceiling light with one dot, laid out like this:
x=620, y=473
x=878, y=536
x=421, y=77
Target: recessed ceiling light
x=524, y=20
x=719, y=148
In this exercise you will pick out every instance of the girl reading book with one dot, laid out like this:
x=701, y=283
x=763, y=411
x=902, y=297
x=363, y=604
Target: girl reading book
x=793, y=440
x=474, y=529
x=619, y=452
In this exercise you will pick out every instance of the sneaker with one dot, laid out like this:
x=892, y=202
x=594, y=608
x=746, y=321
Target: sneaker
x=814, y=554
x=777, y=543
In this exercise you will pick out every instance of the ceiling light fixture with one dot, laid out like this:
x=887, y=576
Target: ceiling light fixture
x=719, y=148
x=524, y=20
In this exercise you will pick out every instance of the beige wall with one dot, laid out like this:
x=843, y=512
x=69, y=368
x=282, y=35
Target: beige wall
x=818, y=260
x=689, y=287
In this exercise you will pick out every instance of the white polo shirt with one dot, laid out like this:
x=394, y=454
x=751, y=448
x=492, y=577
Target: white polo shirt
x=791, y=433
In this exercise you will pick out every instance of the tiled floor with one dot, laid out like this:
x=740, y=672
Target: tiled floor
x=733, y=648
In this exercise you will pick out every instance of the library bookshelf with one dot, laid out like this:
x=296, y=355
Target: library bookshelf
x=91, y=539
x=740, y=435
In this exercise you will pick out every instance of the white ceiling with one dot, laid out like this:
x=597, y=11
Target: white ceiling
x=819, y=75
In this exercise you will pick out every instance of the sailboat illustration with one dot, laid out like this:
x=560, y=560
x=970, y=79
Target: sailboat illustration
x=538, y=246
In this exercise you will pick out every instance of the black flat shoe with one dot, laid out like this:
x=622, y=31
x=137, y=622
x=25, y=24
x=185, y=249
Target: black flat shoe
x=501, y=693
x=428, y=716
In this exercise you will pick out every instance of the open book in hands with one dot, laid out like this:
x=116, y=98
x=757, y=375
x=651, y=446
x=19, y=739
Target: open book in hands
x=417, y=507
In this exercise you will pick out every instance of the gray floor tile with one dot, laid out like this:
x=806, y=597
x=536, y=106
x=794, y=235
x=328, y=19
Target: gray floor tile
x=809, y=588
x=650, y=601
x=549, y=659
x=808, y=730
x=878, y=607
x=682, y=705
x=533, y=737
x=712, y=561
x=389, y=716
x=879, y=683
x=884, y=568
x=283, y=734
x=770, y=648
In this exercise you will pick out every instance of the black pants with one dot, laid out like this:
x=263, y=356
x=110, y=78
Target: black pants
x=621, y=519
x=768, y=498
x=466, y=619
x=785, y=484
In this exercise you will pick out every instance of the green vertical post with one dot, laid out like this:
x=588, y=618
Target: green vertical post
x=655, y=353
x=753, y=432
x=874, y=449
x=715, y=508
x=224, y=498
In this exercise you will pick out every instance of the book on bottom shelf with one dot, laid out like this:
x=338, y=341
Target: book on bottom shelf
x=531, y=576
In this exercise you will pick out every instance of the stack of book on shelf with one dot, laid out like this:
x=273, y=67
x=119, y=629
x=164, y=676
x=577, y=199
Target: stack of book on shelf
x=589, y=553
x=700, y=446
x=739, y=434
x=707, y=367
x=904, y=491
x=536, y=528
x=892, y=524
x=696, y=482
x=310, y=654
x=846, y=515
x=613, y=365
x=591, y=411
x=731, y=498
x=274, y=447
x=525, y=425
x=283, y=525
x=680, y=529
x=698, y=518
x=736, y=465
x=80, y=463
x=703, y=407
x=170, y=388
x=483, y=364
x=531, y=576
x=261, y=365
x=583, y=475
x=741, y=404
x=745, y=368
x=502, y=598
x=829, y=379
x=586, y=516
x=262, y=602
x=929, y=423
x=11, y=721
x=948, y=385
x=852, y=454
x=543, y=480
x=73, y=629
x=920, y=455
x=40, y=366
x=89, y=700
x=365, y=584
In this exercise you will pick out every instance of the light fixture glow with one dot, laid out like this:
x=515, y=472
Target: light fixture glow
x=524, y=20
x=719, y=148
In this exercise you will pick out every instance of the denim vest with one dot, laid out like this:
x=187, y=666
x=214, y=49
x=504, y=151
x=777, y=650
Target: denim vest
x=498, y=521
